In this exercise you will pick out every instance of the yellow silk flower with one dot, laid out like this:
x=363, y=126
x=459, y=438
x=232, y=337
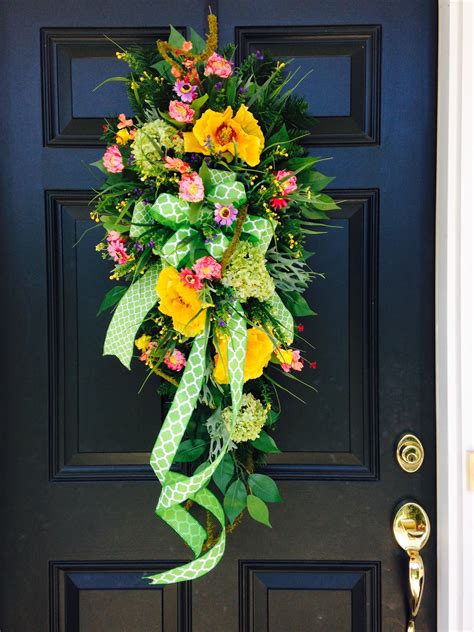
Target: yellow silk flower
x=180, y=302
x=259, y=351
x=224, y=131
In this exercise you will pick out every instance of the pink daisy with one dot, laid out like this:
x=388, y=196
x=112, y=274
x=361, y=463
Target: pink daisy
x=112, y=160
x=224, y=214
x=207, y=268
x=190, y=279
x=185, y=91
x=181, y=112
x=288, y=185
x=175, y=361
x=191, y=188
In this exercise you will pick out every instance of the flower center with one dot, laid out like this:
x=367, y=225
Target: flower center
x=224, y=212
x=224, y=134
x=186, y=87
x=189, y=278
x=193, y=189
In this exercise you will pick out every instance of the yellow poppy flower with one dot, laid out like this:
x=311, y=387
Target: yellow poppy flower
x=142, y=343
x=180, y=302
x=259, y=351
x=225, y=131
x=122, y=136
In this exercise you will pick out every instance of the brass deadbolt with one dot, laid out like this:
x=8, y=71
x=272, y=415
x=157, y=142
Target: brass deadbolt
x=410, y=453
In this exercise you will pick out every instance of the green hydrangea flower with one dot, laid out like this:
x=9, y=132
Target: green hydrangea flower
x=150, y=143
x=250, y=420
x=247, y=274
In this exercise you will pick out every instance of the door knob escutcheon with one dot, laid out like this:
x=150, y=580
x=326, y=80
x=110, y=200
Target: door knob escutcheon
x=410, y=453
x=411, y=528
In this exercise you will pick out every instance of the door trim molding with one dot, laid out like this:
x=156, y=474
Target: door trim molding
x=455, y=314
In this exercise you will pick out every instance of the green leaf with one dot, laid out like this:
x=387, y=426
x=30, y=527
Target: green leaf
x=324, y=202
x=198, y=43
x=265, y=443
x=110, y=225
x=176, y=40
x=224, y=473
x=109, y=80
x=98, y=164
x=258, y=510
x=318, y=180
x=235, y=500
x=280, y=136
x=164, y=69
x=190, y=450
x=205, y=175
x=264, y=487
x=231, y=90
x=272, y=418
x=296, y=303
x=198, y=103
x=310, y=213
x=112, y=297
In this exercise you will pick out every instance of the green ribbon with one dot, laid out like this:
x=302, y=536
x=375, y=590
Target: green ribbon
x=130, y=313
x=177, y=488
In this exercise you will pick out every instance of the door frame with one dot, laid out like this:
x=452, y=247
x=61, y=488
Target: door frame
x=455, y=314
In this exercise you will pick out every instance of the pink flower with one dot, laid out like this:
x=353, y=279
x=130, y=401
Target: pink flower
x=181, y=112
x=176, y=164
x=191, y=188
x=207, y=268
x=224, y=214
x=185, y=91
x=124, y=122
x=117, y=251
x=114, y=235
x=145, y=355
x=187, y=46
x=112, y=159
x=289, y=185
x=175, y=361
x=278, y=203
x=217, y=65
x=293, y=361
x=190, y=279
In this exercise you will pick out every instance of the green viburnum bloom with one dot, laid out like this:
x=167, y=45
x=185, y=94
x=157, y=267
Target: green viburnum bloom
x=150, y=143
x=247, y=274
x=250, y=420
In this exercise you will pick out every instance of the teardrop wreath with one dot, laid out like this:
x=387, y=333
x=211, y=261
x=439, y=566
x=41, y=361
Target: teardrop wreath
x=208, y=198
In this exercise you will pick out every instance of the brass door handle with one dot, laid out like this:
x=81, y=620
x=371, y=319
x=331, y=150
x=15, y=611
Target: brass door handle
x=411, y=527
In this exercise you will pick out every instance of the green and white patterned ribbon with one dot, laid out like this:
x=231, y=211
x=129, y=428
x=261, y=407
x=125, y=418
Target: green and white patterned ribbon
x=177, y=488
x=130, y=313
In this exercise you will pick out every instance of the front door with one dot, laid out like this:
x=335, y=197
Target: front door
x=78, y=528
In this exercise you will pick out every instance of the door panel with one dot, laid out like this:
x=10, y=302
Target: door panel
x=79, y=530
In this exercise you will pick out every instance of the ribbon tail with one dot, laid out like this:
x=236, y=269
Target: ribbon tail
x=129, y=315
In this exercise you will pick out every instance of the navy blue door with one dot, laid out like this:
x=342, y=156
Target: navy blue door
x=79, y=531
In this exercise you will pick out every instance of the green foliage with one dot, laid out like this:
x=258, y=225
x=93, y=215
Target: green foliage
x=224, y=473
x=258, y=510
x=190, y=450
x=235, y=500
x=265, y=443
x=264, y=487
x=112, y=297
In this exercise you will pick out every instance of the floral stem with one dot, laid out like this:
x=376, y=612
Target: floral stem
x=162, y=374
x=235, y=239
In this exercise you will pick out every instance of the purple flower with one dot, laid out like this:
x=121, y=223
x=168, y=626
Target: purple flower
x=224, y=214
x=222, y=323
x=138, y=247
x=218, y=85
x=185, y=91
x=258, y=55
x=151, y=244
